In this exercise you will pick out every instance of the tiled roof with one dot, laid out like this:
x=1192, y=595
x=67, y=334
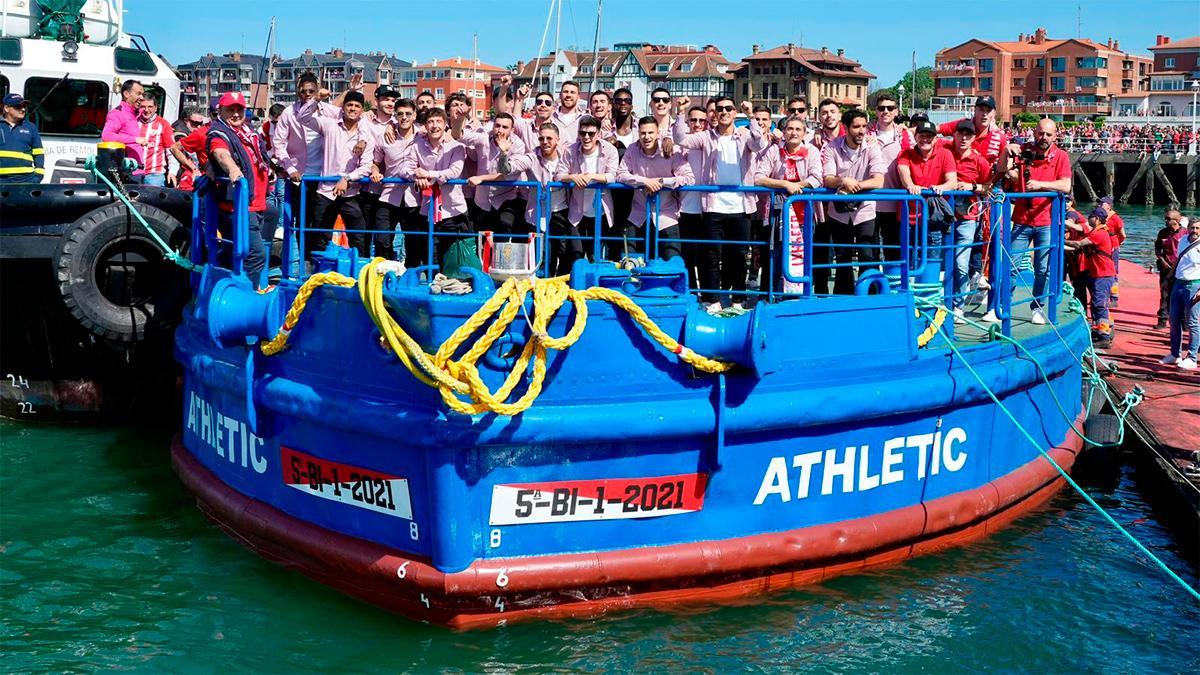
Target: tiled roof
x=1185, y=43
x=460, y=62
x=815, y=60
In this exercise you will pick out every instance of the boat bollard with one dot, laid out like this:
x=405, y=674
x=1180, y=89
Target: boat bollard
x=236, y=311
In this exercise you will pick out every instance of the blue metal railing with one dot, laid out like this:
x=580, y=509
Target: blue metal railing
x=916, y=259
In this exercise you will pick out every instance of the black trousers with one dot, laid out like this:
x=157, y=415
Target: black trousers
x=509, y=218
x=671, y=249
x=691, y=228
x=564, y=252
x=456, y=225
x=888, y=225
x=822, y=254
x=857, y=239
x=723, y=266
x=369, y=201
x=1165, y=284
x=325, y=214
x=256, y=259
x=292, y=194
x=389, y=219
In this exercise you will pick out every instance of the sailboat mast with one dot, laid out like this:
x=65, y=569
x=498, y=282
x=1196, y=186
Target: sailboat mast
x=596, y=44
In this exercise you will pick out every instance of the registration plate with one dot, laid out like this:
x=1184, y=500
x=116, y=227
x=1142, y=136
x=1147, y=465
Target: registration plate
x=352, y=485
x=603, y=499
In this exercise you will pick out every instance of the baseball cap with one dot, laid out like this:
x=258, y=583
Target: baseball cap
x=1098, y=213
x=355, y=97
x=926, y=127
x=986, y=100
x=386, y=92
x=917, y=118
x=1106, y=200
x=965, y=125
x=14, y=99
x=232, y=98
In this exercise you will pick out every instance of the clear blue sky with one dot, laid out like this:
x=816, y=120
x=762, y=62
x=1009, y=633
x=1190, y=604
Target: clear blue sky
x=882, y=35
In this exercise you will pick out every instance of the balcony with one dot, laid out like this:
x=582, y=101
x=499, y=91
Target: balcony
x=954, y=69
x=1050, y=107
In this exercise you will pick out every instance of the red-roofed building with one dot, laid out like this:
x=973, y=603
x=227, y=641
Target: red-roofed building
x=1071, y=78
x=449, y=76
x=772, y=76
x=1175, y=72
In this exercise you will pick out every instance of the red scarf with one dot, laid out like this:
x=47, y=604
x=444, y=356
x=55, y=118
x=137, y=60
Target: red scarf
x=791, y=172
x=250, y=141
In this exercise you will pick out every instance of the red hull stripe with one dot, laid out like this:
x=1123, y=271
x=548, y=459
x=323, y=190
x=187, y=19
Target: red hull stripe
x=494, y=592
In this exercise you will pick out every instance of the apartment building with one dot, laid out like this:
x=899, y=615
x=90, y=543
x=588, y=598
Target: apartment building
x=210, y=76
x=772, y=76
x=334, y=69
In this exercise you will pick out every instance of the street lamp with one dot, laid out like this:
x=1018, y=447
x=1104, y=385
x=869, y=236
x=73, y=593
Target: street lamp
x=1195, y=90
x=1063, y=103
x=961, y=101
x=901, y=90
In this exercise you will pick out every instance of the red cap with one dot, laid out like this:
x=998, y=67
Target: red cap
x=232, y=98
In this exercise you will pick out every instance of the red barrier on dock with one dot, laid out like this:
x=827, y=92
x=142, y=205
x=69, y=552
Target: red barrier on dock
x=1169, y=417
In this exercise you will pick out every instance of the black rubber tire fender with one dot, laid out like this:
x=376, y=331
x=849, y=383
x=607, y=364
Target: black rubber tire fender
x=94, y=234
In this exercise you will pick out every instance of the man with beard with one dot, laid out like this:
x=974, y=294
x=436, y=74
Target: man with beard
x=378, y=123
x=500, y=156
x=589, y=160
x=691, y=204
x=892, y=139
x=1048, y=171
x=564, y=246
x=625, y=127
x=791, y=166
x=851, y=166
x=158, y=137
x=297, y=149
x=425, y=101
x=121, y=125
x=829, y=127
x=645, y=166
x=566, y=117
x=431, y=160
x=349, y=148
x=398, y=208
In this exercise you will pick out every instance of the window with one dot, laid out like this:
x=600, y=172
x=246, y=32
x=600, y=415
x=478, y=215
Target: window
x=127, y=60
x=662, y=67
x=3, y=85
x=1039, y=63
x=1169, y=62
x=956, y=82
x=1058, y=64
x=1018, y=82
x=985, y=83
x=10, y=50
x=585, y=69
x=458, y=75
x=1018, y=63
x=745, y=89
x=1089, y=82
x=985, y=65
x=606, y=68
x=74, y=107
x=1018, y=100
x=859, y=94
x=685, y=68
x=1058, y=83
x=439, y=93
x=1041, y=84
x=1091, y=63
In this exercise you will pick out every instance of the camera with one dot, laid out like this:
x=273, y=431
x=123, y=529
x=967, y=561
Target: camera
x=1031, y=154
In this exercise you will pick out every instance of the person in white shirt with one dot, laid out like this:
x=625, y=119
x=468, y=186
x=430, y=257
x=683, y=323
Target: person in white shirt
x=1185, y=301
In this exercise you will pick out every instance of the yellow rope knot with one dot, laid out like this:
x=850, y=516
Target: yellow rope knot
x=934, y=326
x=279, y=342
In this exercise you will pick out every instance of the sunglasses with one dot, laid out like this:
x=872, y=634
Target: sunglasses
x=661, y=99
x=587, y=134
x=697, y=120
x=623, y=100
x=797, y=111
x=543, y=139
x=545, y=101
x=724, y=108
x=885, y=108
x=195, y=123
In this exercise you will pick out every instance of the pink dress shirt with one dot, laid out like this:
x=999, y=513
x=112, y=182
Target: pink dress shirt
x=348, y=153
x=568, y=125
x=572, y=163
x=483, y=149
x=544, y=171
x=389, y=157
x=750, y=140
x=444, y=163
x=287, y=136
x=637, y=166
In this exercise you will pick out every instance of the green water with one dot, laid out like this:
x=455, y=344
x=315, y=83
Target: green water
x=106, y=563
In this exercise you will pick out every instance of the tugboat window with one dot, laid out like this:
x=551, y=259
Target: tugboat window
x=67, y=107
x=10, y=51
x=127, y=60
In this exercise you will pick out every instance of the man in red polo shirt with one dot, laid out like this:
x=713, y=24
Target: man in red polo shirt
x=238, y=152
x=1044, y=168
x=1116, y=227
x=928, y=166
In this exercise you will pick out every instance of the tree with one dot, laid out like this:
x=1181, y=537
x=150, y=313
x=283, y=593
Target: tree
x=924, y=88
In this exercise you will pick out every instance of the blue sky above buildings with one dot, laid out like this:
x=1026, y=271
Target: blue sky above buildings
x=882, y=35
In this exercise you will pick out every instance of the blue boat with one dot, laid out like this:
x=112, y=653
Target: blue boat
x=356, y=426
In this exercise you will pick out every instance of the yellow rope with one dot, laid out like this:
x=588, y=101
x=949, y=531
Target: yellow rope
x=459, y=378
x=934, y=326
x=279, y=342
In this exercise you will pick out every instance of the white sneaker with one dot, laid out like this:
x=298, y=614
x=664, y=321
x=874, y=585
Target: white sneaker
x=1038, y=317
x=713, y=308
x=980, y=282
x=1169, y=360
x=959, y=318
x=990, y=317
x=1186, y=363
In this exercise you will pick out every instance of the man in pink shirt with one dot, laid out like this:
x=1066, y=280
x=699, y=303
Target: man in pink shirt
x=727, y=158
x=158, y=137
x=499, y=156
x=432, y=159
x=851, y=166
x=645, y=166
x=121, y=125
x=565, y=247
x=377, y=123
x=398, y=208
x=527, y=129
x=828, y=127
x=587, y=161
x=791, y=166
x=892, y=139
x=298, y=149
x=691, y=204
x=660, y=109
x=566, y=117
x=349, y=148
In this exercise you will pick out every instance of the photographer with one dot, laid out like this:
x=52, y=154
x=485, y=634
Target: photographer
x=1040, y=166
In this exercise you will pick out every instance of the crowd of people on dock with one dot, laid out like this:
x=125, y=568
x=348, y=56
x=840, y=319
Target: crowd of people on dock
x=1144, y=139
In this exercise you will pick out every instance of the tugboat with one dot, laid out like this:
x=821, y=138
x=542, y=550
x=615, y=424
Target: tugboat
x=89, y=300
x=565, y=447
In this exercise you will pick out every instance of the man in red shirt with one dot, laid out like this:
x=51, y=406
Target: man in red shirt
x=1097, y=269
x=1116, y=227
x=238, y=152
x=1040, y=166
x=974, y=173
x=928, y=166
x=191, y=151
